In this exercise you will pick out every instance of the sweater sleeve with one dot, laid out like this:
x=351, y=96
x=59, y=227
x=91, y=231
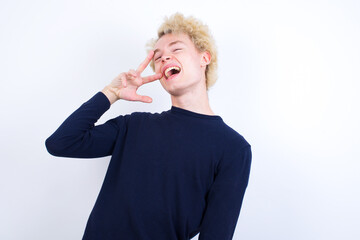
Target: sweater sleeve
x=78, y=136
x=226, y=195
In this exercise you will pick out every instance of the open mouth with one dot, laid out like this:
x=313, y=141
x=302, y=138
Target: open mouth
x=171, y=72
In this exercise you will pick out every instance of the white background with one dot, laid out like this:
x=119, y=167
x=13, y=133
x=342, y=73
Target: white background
x=288, y=82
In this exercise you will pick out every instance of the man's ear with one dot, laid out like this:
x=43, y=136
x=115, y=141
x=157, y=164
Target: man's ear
x=205, y=58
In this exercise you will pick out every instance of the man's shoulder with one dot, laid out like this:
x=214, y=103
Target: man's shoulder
x=143, y=114
x=233, y=137
x=138, y=117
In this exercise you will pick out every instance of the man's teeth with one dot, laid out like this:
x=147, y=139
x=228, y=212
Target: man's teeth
x=167, y=71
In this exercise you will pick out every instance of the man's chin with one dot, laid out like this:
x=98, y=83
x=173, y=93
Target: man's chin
x=177, y=87
x=176, y=90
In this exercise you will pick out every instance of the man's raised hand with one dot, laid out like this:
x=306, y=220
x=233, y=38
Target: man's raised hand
x=125, y=85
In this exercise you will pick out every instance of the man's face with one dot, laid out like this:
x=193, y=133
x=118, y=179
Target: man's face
x=181, y=64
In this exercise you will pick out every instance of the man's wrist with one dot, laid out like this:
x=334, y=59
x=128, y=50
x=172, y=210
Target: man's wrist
x=110, y=94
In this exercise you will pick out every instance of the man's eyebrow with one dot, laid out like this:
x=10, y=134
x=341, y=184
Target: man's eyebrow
x=170, y=44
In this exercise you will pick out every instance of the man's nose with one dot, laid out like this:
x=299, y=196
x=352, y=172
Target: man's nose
x=166, y=58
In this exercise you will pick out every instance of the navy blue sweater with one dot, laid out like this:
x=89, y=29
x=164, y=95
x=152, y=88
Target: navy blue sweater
x=171, y=175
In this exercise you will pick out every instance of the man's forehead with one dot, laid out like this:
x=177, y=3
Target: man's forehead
x=169, y=40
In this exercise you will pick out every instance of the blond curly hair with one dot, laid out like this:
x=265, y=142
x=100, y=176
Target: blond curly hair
x=200, y=35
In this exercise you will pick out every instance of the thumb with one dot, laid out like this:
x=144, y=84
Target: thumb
x=145, y=99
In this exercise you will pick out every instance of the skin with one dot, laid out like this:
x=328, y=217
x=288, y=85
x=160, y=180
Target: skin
x=187, y=89
x=125, y=85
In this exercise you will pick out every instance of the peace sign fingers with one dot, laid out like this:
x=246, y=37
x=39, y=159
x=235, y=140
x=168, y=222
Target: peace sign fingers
x=146, y=62
x=152, y=78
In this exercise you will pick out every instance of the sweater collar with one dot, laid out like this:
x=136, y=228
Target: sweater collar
x=177, y=110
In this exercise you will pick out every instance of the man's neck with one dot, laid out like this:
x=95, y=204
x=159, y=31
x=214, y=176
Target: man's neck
x=195, y=101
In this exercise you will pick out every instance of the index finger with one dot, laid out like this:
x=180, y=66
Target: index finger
x=146, y=62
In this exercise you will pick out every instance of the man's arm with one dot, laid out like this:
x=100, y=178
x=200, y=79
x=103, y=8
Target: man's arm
x=79, y=137
x=226, y=195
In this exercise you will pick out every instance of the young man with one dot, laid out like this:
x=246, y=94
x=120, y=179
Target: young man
x=172, y=174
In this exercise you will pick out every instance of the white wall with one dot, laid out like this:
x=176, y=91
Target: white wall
x=289, y=82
